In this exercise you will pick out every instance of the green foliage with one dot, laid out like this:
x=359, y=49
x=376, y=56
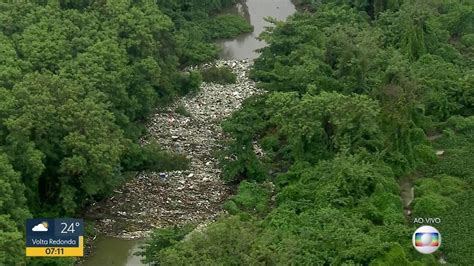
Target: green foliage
x=75, y=136
x=13, y=212
x=221, y=75
x=322, y=218
x=162, y=239
x=461, y=124
x=77, y=78
x=181, y=109
x=442, y=82
x=239, y=159
x=395, y=256
x=159, y=160
x=11, y=67
x=226, y=243
x=100, y=69
x=309, y=51
x=227, y=26
x=352, y=89
x=251, y=198
x=294, y=129
x=311, y=237
x=458, y=146
x=152, y=157
x=371, y=8
x=434, y=196
x=449, y=193
x=341, y=183
x=468, y=40
x=432, y=205
x=457, y=231
x=325, y=124
x=195, y=28
x=190, y=82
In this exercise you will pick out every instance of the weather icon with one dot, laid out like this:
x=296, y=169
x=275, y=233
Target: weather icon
x=42, y=227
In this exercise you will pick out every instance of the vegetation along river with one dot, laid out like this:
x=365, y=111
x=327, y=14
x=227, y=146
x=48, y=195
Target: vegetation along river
x=120, y=251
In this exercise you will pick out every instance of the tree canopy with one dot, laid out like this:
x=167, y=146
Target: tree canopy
x=360, y=94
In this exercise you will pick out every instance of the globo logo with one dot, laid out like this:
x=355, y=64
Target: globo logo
x=426, y=239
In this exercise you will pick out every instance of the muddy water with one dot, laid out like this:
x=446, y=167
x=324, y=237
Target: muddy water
x=255, y=11
x=115, y=251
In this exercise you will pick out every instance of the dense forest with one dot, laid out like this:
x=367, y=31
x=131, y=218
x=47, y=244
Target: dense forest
x=361, y=95
x=77, y=80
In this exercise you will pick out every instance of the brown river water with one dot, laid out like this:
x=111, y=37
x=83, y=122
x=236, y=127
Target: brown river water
x=115, y=251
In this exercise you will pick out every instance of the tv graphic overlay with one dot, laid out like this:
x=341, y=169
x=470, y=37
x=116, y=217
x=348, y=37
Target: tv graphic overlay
x=426, y=239
x=55, y=237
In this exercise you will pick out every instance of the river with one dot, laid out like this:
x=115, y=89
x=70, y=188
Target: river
x=244, y=46
x=115, y=251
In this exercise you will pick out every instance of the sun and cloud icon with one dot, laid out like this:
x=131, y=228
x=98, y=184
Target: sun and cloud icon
x=41, y=227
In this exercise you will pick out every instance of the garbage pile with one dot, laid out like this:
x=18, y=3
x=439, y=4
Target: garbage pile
x=155, y=200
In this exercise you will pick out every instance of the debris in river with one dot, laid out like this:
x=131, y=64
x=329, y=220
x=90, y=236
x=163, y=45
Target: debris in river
x=195, y=195
x=163, y=176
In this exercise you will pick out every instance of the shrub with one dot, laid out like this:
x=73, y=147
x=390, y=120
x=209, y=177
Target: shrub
x=227, y=242
x=189, y=82
x=468, y=40
x=152, y=157
x=432, y=205
x=434, y=195
x=181, y=109
x=162, y=239
x=252, y=198
x=221, y=75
